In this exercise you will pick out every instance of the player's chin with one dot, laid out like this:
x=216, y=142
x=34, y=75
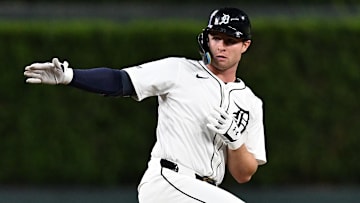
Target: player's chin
x=220, y=65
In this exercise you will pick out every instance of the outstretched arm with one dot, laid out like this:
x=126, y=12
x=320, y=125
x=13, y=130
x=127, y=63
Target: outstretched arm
x=106, y=81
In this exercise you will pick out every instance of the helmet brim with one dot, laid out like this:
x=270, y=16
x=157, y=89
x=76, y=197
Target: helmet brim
x=228, y=31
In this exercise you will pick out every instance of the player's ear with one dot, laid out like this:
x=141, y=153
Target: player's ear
x=246, y=45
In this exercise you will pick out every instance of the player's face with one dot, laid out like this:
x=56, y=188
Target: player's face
x=226, y=50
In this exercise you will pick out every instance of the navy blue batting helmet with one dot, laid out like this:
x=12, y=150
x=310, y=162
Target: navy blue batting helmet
x=230, y=21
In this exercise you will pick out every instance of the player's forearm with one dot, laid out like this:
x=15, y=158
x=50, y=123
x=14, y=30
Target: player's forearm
x=242, y=164
x=105, y=81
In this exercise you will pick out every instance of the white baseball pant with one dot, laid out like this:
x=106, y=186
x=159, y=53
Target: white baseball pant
x=162, y=185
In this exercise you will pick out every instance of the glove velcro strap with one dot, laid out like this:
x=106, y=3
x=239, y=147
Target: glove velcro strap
x=237, y=143
x=233, y=133
x=68, y=75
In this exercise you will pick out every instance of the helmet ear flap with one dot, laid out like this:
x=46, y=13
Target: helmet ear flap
x=203, y=41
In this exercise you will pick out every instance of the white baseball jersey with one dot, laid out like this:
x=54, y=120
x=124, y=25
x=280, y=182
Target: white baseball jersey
x=187, y=91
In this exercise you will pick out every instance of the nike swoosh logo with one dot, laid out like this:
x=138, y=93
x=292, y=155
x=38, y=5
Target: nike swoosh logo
x=201, y=77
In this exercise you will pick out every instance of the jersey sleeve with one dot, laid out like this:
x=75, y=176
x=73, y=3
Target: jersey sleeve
x=256, y=135
x=154, y=78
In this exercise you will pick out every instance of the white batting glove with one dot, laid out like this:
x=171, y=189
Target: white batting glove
x=49, y=73
x=224, y=124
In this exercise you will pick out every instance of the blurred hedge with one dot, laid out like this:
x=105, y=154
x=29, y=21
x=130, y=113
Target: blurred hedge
x=306, y=71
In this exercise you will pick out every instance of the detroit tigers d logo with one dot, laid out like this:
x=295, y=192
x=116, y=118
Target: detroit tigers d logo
x=242, y=117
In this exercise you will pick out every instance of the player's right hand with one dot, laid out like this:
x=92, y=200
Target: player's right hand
x=49, y=73
x=220, y=122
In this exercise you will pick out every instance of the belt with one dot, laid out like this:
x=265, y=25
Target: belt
x=173, y=166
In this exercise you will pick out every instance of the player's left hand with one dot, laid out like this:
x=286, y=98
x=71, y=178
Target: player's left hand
x=49, y=73
x=224, y=124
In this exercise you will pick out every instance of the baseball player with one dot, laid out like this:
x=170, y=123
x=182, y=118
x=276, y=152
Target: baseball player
x=208, y=119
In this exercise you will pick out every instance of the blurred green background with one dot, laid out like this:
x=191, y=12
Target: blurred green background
x=303, y=63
